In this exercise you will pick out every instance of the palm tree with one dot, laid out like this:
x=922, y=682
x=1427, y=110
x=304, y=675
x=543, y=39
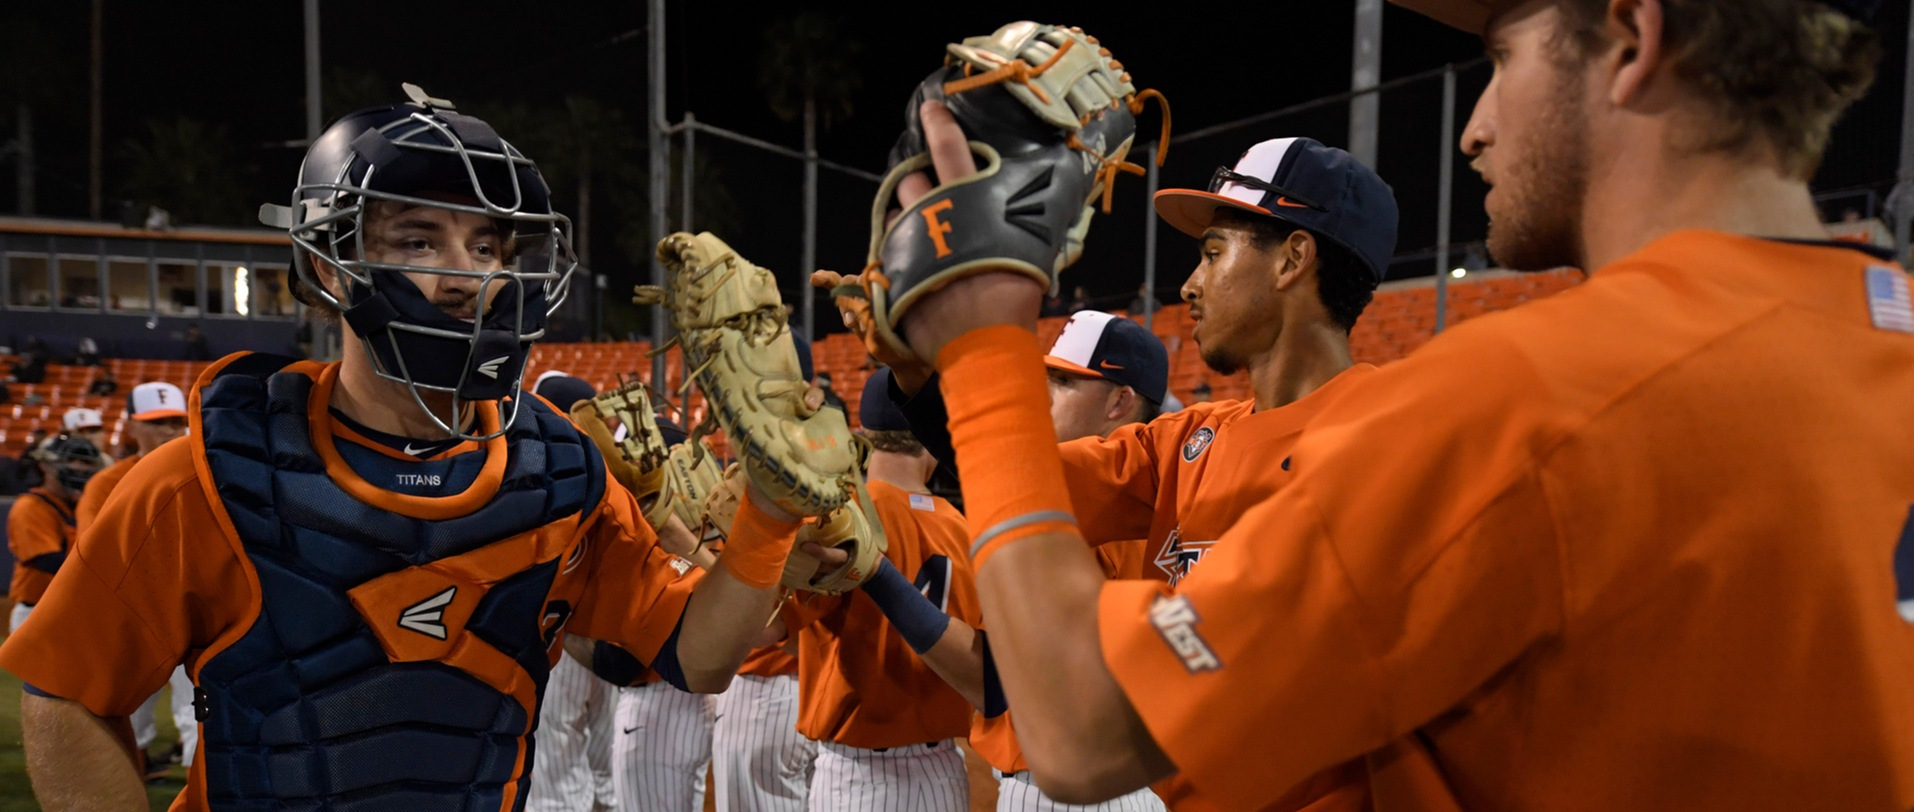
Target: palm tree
x=807, y=68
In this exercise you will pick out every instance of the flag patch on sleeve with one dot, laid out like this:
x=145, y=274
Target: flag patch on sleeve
x=1888, y=300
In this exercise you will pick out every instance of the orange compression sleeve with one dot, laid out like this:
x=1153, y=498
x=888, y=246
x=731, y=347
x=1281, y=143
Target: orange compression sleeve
x=998, y=398
x=757, y=546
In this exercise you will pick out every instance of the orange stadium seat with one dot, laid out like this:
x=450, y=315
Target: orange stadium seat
x=1401, y=319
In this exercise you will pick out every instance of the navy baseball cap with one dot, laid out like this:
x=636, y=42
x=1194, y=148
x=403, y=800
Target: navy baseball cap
x=1473, y=16
x=670, y=431
x=1102, y=345
x=1301, y=182
x=563, y=390
x=875, y=411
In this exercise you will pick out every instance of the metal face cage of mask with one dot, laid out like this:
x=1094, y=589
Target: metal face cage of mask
x=398, y=154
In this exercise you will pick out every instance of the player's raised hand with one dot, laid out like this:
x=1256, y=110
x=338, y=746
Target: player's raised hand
x=970, y=302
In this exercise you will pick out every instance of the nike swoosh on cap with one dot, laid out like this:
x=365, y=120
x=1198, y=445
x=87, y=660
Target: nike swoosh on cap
x=1285, y=203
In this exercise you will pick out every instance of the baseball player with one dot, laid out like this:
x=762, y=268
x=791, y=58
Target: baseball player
x=87, y=425
x=368, y=566
x=575, y=718
x=1560, y=548
x=759, y=760
x=1105, y=372
x=661, y=739
x=157, y=414
x=884, y=722
x=1276, y=290
x=40, y=525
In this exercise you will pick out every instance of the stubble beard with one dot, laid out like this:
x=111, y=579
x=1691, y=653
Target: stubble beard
x=1538, y=224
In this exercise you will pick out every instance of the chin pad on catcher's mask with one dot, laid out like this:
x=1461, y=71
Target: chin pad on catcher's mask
x=416, y=342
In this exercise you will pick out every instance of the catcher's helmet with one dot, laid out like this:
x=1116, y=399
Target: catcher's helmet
x=62, y=451
x=403, y=153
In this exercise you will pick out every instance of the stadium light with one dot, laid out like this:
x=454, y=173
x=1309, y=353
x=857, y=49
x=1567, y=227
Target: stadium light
x=242, y=291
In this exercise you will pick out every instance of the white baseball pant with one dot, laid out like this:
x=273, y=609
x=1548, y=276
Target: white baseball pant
x=913, y=778
x=759, y=761
x=577, y=706
x=661, y=750
x=184, y=716
x=1017, y=793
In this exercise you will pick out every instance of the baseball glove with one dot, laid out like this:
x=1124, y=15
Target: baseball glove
x=731, y=323
x=854, y=528
x=666, y=481
x=1050, y=116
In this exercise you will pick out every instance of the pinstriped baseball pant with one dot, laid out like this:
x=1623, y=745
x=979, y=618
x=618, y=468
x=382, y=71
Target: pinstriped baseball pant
x=913, y=778
x=1017, y=793
x=577, y=707
x=759, y=761
x=661, y=749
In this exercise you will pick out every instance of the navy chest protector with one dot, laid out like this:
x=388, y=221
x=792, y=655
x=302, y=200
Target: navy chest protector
x=306, y=711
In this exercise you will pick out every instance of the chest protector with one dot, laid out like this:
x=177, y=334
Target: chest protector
x=396, y=663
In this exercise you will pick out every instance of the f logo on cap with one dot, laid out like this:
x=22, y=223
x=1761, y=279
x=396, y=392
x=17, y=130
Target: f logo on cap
x=938, y=228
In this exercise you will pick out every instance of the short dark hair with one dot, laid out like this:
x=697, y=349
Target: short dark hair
x=1343, y=282
x=895, y=441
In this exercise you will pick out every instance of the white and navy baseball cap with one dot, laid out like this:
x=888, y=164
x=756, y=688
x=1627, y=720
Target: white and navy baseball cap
x=1102, y=345
x=77, y=419
x=1301, y=182
x=156, y=400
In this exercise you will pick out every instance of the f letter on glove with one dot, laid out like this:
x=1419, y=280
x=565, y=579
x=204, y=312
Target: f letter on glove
x=1051, y=116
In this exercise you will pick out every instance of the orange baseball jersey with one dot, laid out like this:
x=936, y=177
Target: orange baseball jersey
x=1632, y=546
x=859, y=684
x=40, y=523
x=163, y=578
x=1180, y=480
x=96, y=492
x=770, y=661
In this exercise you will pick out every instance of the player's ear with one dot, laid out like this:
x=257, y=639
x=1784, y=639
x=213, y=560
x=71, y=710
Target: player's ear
x=1297, y=254
x=1634, y=30
x=1117, y=407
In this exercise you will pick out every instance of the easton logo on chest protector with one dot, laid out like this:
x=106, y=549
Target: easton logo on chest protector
x=1197, y=443
x=427, y=617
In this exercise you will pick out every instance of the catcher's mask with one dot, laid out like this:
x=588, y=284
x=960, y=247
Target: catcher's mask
x=74, y=460
x=414, y=155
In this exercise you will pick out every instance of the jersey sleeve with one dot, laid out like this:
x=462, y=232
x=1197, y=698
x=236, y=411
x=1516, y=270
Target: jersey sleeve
x=33, y=529
x=150, y=585
x=1412, y=558
x=636, y=593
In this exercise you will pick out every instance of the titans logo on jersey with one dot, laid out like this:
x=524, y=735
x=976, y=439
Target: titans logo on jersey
x=1179, y=556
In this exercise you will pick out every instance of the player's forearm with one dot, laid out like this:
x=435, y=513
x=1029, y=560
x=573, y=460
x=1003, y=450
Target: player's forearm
x=722, y=619
x=958, y=657
x=735, y=599
x=952, y=649
x=1082, y=737
x=76, y=760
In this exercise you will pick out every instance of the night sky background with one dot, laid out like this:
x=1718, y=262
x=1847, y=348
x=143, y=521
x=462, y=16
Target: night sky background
x=200, y=97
